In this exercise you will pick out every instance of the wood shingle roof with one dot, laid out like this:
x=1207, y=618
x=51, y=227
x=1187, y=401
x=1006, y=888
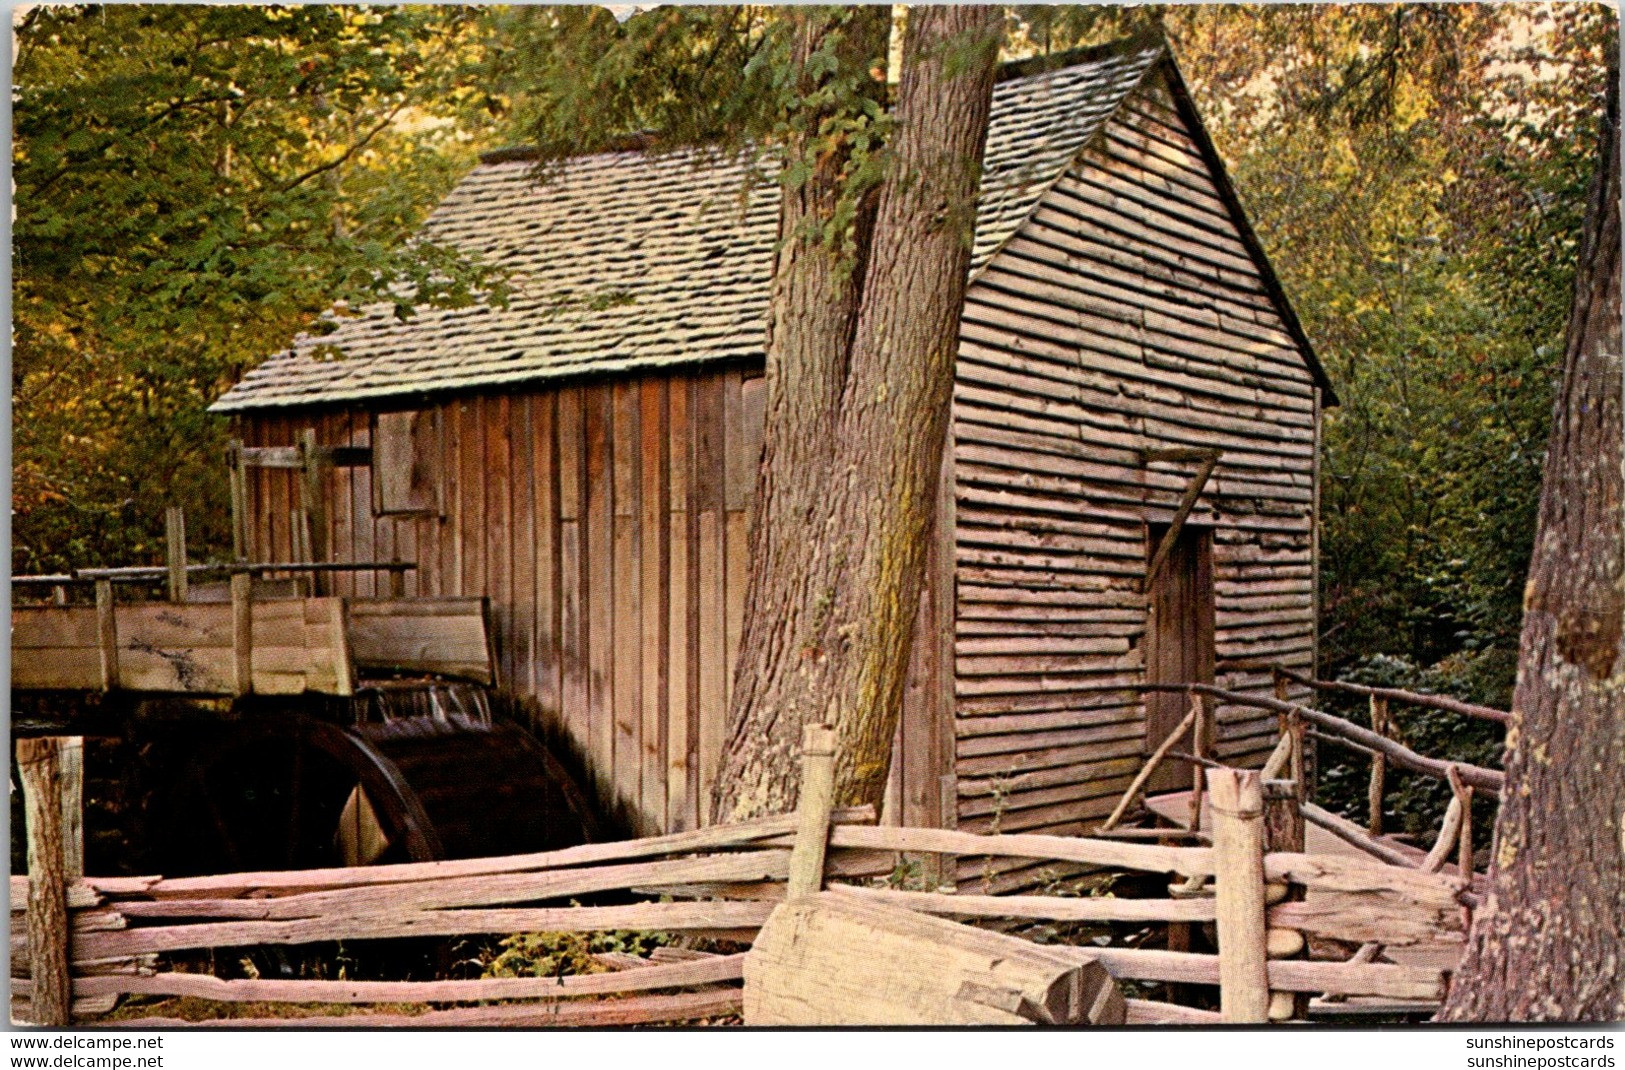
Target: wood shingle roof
x=627, y=261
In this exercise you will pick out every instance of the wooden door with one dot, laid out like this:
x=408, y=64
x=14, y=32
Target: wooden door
x=1179, y=641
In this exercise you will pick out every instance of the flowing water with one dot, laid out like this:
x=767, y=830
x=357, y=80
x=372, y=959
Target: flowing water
x=421, y=707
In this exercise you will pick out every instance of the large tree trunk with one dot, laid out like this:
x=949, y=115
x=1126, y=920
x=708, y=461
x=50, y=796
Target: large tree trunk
x=1549, y=944
x=842, y=528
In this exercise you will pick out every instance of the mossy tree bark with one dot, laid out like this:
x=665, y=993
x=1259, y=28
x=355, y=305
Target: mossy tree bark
x=1549, y=944
x=858, y=398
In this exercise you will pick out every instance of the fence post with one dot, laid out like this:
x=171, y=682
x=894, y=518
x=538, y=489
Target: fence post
x=38, y=767
x=1236, y=804
x=175, y=551
x=813, y=810
x=1283, y=831
x=1379, y=767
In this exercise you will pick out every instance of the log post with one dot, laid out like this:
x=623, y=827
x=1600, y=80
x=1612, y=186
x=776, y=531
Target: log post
x=1237, y=810
x=1464, y=831
x=175, y=551
x=38, y=767
x=813, y=810
x=1379, y=767
x=242, y=632
x=1283, y=819
x=1284, y=831
x=107, y=634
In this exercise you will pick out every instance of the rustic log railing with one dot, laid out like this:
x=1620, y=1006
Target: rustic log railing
x=1465, y=779
x=721, y=882
x=1348, y=733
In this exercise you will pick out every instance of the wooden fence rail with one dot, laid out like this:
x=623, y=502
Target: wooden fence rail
x=111, y=935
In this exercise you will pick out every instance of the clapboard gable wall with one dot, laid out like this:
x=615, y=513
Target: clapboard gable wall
x=1126, y=314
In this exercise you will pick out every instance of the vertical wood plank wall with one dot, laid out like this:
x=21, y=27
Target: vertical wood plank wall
x=606, y=522
x=1127, y=314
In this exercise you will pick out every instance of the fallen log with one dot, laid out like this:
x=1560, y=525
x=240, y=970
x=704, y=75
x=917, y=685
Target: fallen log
x=833, y=959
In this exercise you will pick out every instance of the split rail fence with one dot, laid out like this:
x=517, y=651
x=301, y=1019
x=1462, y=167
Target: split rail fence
x=80, y=943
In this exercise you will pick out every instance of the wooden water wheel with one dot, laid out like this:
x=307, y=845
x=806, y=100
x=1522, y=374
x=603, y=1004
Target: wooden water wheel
x=298, y=792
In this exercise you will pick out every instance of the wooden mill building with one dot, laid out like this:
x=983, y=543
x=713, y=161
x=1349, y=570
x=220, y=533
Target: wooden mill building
x=585, y=457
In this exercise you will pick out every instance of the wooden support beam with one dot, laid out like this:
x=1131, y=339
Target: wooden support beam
x=1186, y=504
x=175, y=551
x=1150, y=767
x=313, y=500
x=1179, y=453
x=236, y=458
x=1354, y=835
x=107, y=634
x=242, y=633
x=291, y=457
x=813, y=810
x=38, y=766
x=1237, y=810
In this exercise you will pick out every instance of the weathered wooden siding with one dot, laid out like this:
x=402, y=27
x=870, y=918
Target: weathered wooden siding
x=607, y=519
x=1126, y=314
x=606, y=522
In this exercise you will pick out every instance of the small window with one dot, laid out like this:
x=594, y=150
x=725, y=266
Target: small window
x=405, y=463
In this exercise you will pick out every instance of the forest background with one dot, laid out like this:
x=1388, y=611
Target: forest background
x=195, y=185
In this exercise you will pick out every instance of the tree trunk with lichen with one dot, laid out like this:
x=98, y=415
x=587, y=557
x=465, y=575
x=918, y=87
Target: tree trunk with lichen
x=858, y=397
x=1549, y=943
